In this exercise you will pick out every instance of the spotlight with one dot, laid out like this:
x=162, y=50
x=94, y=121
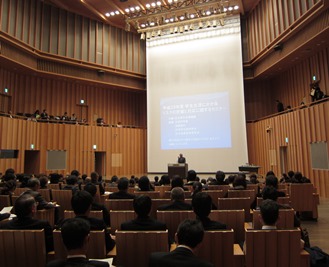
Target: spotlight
x=159, y=32
x=143, y=36
x=200, y=25
x=148, y=35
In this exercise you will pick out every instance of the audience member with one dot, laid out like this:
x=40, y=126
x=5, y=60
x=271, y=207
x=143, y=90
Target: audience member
x=25, y=208
x=75, y=236
x=95, y=180
x=220, y=179
x=188, y=237
x=81, y=204
x=165, y=180
x=177, y=181
x=144, y=184
x=239, y=183
x=197, y=187
x=123, y=190
x=43, y=182
x=191, y=177
x=142, y=207
x=71, y=184
x=8, y=188
x=202, y=204
x=92, y=189
x=272, y=181
x=34, y=185
x=156, y=181
x=178, y=201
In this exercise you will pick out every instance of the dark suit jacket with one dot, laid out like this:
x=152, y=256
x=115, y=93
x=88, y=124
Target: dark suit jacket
x=211, y=225
x=143, y=224
x=106, y=214
x=42, y=203
x=29, y=223
x=176, y=205
x=81, y=262
x=121, y=195
x=181, y=257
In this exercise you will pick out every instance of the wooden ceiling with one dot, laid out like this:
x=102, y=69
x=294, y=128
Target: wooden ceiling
x=96, y=9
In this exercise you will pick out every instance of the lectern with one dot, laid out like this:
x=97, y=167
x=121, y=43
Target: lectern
x=177, y=169
x=249, y=168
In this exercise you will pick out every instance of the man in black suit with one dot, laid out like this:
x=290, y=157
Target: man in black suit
x=81, y=204
x=178, y=201
x=143, y=222
x=75, y=235
x=189, y=235
x=181, y=159
x=202, y=203
x=123, y=190
x=25, y=208
x=92, y=189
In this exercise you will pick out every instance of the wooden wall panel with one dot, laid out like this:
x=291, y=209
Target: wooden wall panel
x=54, y=28
x=78, y=141
x=302, y=127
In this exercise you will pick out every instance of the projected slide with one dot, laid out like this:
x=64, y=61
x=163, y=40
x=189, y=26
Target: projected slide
x=198, y=121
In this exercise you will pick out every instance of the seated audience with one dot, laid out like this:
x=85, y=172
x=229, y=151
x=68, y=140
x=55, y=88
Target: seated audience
x=272, y=181
x=43, y=182
x=253, y=179
x=142, y=207
x=177, y=181
x=220, y=179
x=91, y=188
x=25, y=208
x=156, y=181
x=114, y=181
x=191, y=177
x=75, y=236
x=144, y=184
x=8, y=188
x=178, y=201
x=240, y=182
x=202, y=204
x=123, y=190
x=164, y=180
x=34, y=185
x=81, y=204
x=71, y=184
x=197, y=187
x=95, y=180
x=188, y=237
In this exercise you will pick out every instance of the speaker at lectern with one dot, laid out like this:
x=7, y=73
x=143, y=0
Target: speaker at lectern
x=177, y=169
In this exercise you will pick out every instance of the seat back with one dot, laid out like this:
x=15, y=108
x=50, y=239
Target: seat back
x=156, y=203
x=162, y=189
x=242, y=193
x=19, y=190
x=234, y=219
x=217, y=247
x=4, y=201
x=134, y=247
x=151, y=194
x=96, y=246
x=118, y=217
x=301, y=196
x=286, y=219
x=63, y=198
x=119, y=204
x=46, y=215
x=173, y=219
x=275, y=248
x=23, y=248
x=93, y=213
x=236, y=204
x=215, y=195
x=45, y=193
x=54, y=186
x=187, y=194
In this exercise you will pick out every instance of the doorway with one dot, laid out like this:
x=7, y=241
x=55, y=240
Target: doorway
x=32, y=162
x=100, y=160
x=284, y=159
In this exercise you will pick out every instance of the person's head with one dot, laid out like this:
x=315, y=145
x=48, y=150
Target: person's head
x=81, y=202
x=9, y=176
x=94, y=177
x=269, y=211
x=269, y=173
x=220, y=176
x=75, y=172
x=253, y=179
x=83, y=177
x=91, y=189
x=165, y=180
x=240, y=182
x=189, y=233
x=197, y=187
x=71, y=180
x=123, y=184
x=144, y=183
x=201, y=203
x=271, y=180
x=180, y=155
x=142, y=205
x=43, y=181
x=230, y=179
x=191, y=175
x=156, y=179
x=54, y=178
x=177, y=194
x=25, y=206
x=269, y=192
x=291, y=174
x=33, y=184
x=114, y=179
x=10, y=170
x=177, y=181
x=75, y=234
x=9, y=187
x=298, y=176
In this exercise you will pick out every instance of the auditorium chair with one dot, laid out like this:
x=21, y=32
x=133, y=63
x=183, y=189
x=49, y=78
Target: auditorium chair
x=93, y=213
x=236, y=204
x=133, y=248
x=62, y=198
x=119, y=204
x=151, y=194
x=286, y=220
x=280, y=200
x=4, y=201
x=162, y=189
x=23, y=248
x=120, y=216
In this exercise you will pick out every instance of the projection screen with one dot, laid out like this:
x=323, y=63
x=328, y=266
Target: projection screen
x=195, y=100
